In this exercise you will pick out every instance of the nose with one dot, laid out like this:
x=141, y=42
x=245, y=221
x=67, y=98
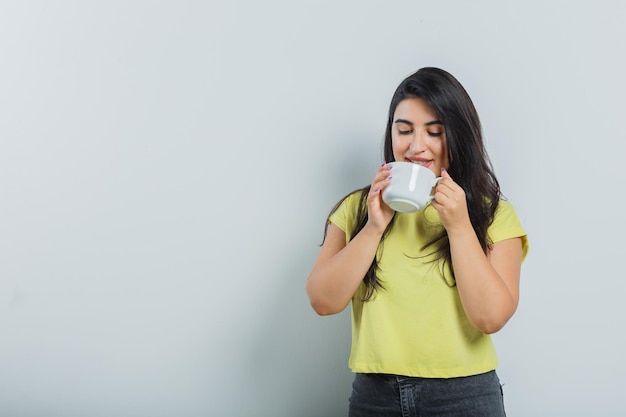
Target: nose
x=418, y=143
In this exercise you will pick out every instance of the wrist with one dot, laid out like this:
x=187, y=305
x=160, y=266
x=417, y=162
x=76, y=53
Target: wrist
x=460, y=231
x=373, y=231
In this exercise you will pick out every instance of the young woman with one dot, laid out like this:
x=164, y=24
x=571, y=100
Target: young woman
x=427, y=288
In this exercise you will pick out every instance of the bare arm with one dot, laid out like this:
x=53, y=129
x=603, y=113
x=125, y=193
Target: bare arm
x=488, y=285
x=340, y=268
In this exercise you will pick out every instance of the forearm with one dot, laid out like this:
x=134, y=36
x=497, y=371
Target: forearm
x=333, y=281
x=487, y=299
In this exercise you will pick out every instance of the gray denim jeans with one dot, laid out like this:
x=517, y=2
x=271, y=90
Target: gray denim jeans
x=380, y=395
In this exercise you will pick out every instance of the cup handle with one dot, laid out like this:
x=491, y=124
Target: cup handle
x=435, y=182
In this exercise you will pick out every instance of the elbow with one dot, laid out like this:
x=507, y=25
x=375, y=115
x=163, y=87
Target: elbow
x=325, y=309
x=490, y=325
x=323, y=302
x=322, y=305
x=492, y=321
x=490, y=328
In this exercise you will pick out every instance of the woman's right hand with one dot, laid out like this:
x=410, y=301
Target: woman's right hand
x=378, y=212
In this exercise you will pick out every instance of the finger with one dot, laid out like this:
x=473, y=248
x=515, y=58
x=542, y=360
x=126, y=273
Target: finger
x=448, y=186
x=383, y=172
x=382, y=177
x=443, y=189
x=440, y=198
x=379, y=186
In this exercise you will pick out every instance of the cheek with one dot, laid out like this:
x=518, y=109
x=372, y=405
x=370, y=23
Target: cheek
x=398, y=145
x=440, y=150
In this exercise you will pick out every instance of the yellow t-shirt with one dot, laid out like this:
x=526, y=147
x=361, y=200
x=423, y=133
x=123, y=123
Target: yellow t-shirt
x=416, y=326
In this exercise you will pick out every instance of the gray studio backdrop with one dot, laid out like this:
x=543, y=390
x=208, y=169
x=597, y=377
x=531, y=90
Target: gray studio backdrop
x=166, y=168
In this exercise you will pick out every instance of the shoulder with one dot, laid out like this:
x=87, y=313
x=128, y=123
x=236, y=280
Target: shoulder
x=346, y=211
x=351, y=202
x=507, y=225
x=504, y=207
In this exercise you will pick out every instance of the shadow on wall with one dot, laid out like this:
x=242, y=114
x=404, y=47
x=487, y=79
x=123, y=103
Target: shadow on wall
x=297, y=359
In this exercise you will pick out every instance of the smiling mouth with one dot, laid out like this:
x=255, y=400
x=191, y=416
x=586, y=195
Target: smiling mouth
x=421, y=163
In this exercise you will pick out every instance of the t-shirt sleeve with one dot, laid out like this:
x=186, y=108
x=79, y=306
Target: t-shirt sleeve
x=506, y=225
x=345, y=215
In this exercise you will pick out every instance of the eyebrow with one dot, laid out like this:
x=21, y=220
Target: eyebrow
x=407, y=122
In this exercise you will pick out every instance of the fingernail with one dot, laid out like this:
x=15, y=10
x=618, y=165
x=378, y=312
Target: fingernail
x=389, y=167
x=376, y=190
x=388, y=178
x=443, y=169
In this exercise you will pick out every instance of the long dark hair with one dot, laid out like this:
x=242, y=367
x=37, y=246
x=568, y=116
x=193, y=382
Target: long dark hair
x=470, y=166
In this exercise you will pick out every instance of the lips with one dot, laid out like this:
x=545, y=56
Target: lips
x=420, y=161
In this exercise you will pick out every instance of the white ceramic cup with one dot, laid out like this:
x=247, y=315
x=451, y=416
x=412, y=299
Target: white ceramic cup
x=411, y=187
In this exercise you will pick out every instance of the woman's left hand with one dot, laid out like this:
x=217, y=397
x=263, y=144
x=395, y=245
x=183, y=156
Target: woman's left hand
x=450, y=203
